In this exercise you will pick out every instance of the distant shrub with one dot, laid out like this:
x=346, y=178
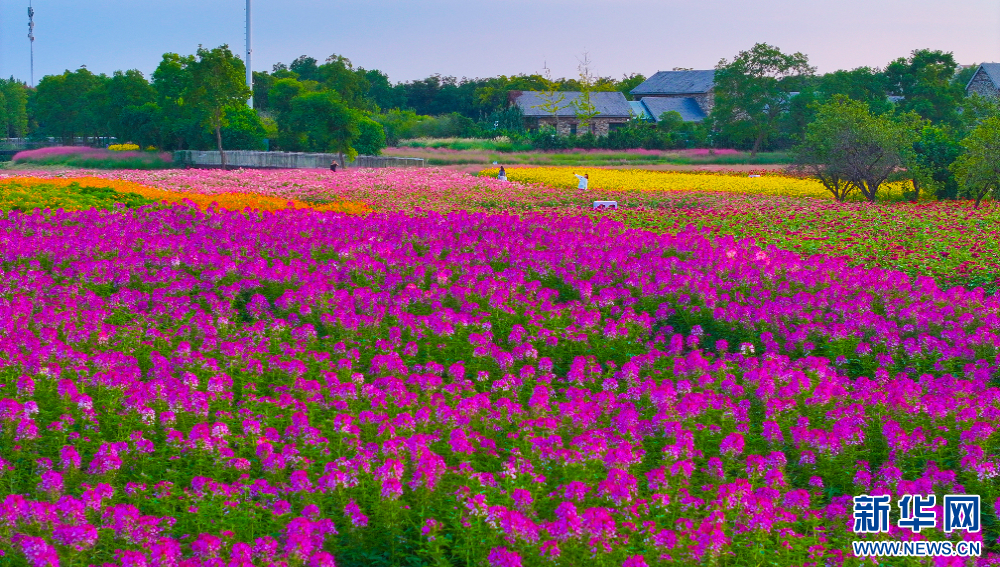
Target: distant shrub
x=95, y=158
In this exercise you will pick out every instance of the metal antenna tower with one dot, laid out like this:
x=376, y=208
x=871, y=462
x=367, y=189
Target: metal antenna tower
x=31, y=37
x=249, y=55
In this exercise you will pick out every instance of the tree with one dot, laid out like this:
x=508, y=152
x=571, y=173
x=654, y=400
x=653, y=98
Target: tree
x=326, y=123
x=381, y=92
x=553, y=100
x=338, y=74
x=218, y=81
x=124, y=94
x=975, y=109
x=628, y=83
x=583, y=106
x=243, y=130
x=925, y=81
x=262, y=83
x=180, y=122
x=397, y=124
x=933, y=153
x=978, y=168
x=863, y=84
x=64, y=104
x=15, y=97
x=493, y=94
x=371, y=137
x=849, y=149
x=306, y=68
x=753, y=91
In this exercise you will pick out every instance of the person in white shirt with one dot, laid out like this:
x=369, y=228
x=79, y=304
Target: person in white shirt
x=583, y=180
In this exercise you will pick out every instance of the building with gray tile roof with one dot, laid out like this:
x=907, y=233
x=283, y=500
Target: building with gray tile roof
x=640, y=111
x=687, y=107
x=607, y=104
x=612, y=111
x=697, y=87
x=985, y=81
x=676, y=83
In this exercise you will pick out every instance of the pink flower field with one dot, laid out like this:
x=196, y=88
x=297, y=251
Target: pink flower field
x=476, y=374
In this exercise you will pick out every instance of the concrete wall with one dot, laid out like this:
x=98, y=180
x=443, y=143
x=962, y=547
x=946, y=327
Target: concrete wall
x=599, y=126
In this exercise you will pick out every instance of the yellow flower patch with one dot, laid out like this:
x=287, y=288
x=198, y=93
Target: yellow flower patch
x=645, y=180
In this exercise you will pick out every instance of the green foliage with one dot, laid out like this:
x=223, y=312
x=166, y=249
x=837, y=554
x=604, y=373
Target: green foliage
x=397, y=124
x=934, y=152
x=509, y=121
x=863, y=84
x=754, y=90
x=925, y=81
x=545, y=138
x=244, y=129
x=14, y=108
x=978, y=169
x=64, y=105
x=850, y=149
x=262, y=83
x=217, y=83
x=326, y=124
x=124, y=96
x=583, y=106
x=446, y=126
x=975, y=109
x=371, y=137
x=628, y=83
x=180, y=121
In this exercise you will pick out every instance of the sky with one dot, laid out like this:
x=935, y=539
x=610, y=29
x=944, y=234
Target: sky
x=412, y=39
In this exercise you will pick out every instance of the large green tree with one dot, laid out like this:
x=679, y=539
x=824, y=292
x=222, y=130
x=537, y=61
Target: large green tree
x=371, y=137
x=218, y=82
x=15, y=101
x=753, y=91
x=125, y=94
x=179, y=120
x=933, y=153
x=864, y=84
x=326, y=123
x=64, y=105
x=978, y=168
x=925, y=81
x=850, y=149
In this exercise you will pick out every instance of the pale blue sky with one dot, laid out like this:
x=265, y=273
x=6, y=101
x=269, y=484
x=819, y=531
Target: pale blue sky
x=410, y=39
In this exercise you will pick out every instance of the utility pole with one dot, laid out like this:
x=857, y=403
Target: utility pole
x=31, y=37
x=249, y=55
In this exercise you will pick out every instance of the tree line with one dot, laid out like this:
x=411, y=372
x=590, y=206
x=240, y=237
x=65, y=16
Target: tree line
x=764, y=100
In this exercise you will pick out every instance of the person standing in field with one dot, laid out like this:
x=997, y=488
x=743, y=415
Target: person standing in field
x=502, y=176
x=333, y=166
x=583, y=180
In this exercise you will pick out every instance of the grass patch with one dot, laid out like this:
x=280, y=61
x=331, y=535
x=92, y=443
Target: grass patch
x=94, y=158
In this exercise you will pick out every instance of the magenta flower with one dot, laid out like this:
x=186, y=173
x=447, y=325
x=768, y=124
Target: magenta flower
x=502, y=557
